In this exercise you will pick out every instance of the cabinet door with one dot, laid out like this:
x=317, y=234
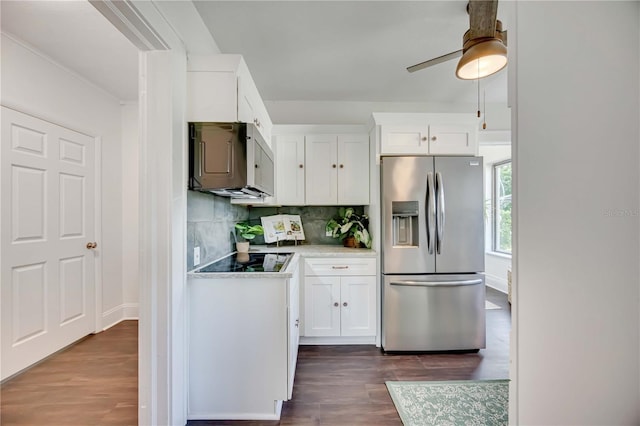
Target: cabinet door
x=251, y=109
x=404, y=139
x=294, y=327
x=353, y=169
x=321, y=177
x=322, y=306
x=358, y=306
x=290, y=170
x=245, y=100
x=453, y=139
x=212, y=96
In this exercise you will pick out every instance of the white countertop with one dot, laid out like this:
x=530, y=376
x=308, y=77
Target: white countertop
x=317, y=250
x=301, y=250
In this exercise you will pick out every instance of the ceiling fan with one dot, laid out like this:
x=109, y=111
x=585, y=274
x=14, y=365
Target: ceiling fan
x=484, y=45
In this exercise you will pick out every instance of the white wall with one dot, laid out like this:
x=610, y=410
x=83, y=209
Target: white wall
x=333, y=112
x=495, y=270
x=130, y=210
x=495, y=264
x=33, y=84
x=577, y=248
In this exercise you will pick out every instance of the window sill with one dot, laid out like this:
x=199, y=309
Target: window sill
x=497, y=254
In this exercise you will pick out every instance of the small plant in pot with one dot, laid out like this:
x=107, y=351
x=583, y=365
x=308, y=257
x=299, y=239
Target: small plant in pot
x=246, y=233
x=350, y=227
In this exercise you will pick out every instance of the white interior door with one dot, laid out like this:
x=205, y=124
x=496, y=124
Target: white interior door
x=47, y=219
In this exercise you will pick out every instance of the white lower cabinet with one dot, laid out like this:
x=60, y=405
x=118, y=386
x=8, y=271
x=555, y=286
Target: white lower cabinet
x=243, y=346
x=293, y=312
x=340, y=297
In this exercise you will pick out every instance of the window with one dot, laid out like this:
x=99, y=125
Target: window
x=502, y=207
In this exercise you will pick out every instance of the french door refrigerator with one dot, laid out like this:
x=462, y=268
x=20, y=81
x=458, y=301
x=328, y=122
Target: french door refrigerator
x=433, y=254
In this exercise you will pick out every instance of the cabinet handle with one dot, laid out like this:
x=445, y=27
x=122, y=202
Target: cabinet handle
x=301, y=166
x=340, y=267
x=256, y=166
x=342, y=166
x=92, y=245
x=433, y=138
x=297, y=322
x=336, y=304
x=334, y=166
x=424, y=138
x=345, y=304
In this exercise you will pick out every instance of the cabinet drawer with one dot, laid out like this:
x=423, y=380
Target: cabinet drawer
x=340, y=266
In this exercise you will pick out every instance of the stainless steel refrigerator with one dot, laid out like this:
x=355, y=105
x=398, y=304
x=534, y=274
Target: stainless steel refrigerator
x=433, y=254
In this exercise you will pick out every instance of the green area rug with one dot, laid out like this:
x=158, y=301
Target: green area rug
x=464, y=402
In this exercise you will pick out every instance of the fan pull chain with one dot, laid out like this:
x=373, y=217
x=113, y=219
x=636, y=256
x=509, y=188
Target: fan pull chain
x=478, y=80
x=484, y=107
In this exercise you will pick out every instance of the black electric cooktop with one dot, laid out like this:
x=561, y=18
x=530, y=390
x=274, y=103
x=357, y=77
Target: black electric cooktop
x=249, y=262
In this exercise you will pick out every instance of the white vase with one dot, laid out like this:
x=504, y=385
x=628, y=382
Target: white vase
x=242, y=246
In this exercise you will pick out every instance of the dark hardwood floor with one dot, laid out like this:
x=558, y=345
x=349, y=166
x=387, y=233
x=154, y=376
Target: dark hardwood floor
x=94, y=382
x=345, y=385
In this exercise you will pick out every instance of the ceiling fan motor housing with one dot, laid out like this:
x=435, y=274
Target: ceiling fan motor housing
x=468, y=40
x=482, y=56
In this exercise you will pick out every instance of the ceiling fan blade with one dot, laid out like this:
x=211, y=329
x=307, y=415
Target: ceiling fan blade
x=435, y=61
x=482, y=18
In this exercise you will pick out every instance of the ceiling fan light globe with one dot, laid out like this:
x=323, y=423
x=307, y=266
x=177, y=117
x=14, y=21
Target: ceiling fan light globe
x=482, y=59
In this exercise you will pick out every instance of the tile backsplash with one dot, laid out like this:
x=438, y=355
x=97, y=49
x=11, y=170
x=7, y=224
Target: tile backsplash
x=314, y=220
x=210, y=224
x=211, y=220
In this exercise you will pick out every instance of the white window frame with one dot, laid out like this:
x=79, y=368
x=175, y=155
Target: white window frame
x=495, y=206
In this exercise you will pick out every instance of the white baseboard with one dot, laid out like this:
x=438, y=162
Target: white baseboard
x=496, y=283
x=338, y=340
x=238, y=416
x=130, y=311
x=126, y=311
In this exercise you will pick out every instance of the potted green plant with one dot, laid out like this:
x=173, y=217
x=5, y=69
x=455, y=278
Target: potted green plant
x=350, y=227
x=246, y=233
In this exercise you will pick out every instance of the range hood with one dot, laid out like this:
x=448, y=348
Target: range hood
x=230, y=160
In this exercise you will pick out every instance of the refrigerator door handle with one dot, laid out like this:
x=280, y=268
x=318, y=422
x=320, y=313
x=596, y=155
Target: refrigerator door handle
x=437, y=283
x=431, y=213
x=440, y=213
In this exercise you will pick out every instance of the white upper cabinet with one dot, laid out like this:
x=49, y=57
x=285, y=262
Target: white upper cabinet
x=220, y=89
x=453, y=139
x=427, y=134
x=321, y=168
x=290, y=169
x=337, y=169
x=353, y=169
x=405, y=139
x=321, y=160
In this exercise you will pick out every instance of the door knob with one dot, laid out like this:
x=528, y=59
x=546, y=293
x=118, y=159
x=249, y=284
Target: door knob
x=92, y=245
